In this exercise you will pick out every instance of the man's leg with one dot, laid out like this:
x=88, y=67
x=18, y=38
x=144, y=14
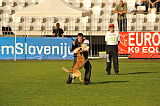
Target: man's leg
x=158, y=7
x=155, y=7
x=146, y=5
x=69, y=81
x=136, y=5
x=115, y=60
x=150, y=6
x=115, y=63
x=125, y=25
x=108, y=59
x=87, y=75
x=119, y=25
x=109, y=63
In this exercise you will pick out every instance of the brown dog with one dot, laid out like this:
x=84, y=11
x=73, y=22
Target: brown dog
x=80, y=63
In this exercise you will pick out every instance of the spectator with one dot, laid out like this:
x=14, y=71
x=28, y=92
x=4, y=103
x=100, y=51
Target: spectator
x=58, y=32
x=142, y=3
x=7, y=30
x=121, y=10
x=153, y=4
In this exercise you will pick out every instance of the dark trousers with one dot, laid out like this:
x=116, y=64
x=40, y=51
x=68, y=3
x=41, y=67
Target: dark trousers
x=112, y=54
x=144, y=3
x=158, y=7
x=122, y=25
x=87, y=68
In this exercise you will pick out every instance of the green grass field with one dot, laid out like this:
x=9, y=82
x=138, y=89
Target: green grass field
x=43, y=83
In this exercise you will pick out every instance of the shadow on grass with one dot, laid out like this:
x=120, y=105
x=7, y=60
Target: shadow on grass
x=104, y=82
x=139, y=73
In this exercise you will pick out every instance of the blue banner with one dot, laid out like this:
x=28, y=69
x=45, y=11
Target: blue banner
x=35, y=48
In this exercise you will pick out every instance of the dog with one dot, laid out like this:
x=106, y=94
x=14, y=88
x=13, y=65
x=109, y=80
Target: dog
x=79, y=64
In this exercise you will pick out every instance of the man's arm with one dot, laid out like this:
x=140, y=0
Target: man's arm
x=54, y=33
x=62, y=33
x=74, y=45
x=121, y=12
x=118, y=42
x=125, y=9
x=151, y=2
x=106, y=42
x=156, y=1
x=118, y=38
x=106, y=38
x=116, y=10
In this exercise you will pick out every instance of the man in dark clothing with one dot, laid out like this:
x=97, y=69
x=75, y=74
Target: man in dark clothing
x=79, y=41
x=58, y=32
x=7, y=30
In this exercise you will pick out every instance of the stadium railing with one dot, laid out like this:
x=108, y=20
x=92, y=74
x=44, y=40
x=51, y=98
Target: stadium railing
x=94, y=29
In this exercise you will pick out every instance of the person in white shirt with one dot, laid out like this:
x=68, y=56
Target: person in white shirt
x=112, y=40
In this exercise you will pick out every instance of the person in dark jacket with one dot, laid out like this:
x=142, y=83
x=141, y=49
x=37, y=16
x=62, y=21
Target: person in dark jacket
x=77, y=43
x=58, y=32
x=7, y=30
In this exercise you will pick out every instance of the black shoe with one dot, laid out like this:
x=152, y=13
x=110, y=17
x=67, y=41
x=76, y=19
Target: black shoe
x=116, y=73
x=69, y=81
x=108, y=73
x=86, y=82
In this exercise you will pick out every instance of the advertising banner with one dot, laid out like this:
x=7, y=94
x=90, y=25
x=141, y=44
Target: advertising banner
x=139, y=43
x=35, y=48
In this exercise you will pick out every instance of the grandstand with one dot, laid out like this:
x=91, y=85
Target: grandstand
x=95, y=24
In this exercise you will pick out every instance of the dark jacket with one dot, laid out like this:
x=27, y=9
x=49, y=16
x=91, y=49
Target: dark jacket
x=58, y=32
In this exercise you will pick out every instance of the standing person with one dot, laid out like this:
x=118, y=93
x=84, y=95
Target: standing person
x=77, y=43
x=58, y=32
x=153, y=4
x=112, y=40
x=121, y=10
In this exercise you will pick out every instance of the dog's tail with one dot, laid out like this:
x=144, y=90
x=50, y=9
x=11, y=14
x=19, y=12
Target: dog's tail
x=66, y=69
